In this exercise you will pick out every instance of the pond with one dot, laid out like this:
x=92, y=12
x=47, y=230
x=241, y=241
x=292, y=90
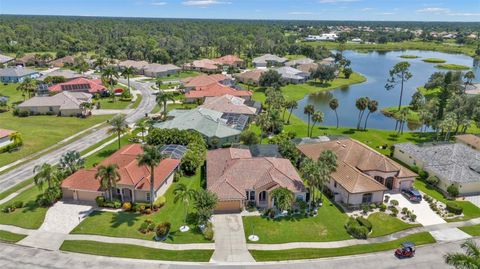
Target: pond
x=375, y=67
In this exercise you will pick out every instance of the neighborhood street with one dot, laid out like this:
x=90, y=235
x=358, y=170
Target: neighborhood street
x=25, y=171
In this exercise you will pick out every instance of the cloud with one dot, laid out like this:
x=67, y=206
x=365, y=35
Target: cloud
x=435, y=10
x=203, y=3
x=336, y=1
x=367, y=9
x=386, y=13
x=300, y=13
x=464, y=14
x=159, y=3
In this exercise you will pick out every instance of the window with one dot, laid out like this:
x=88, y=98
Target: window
x=263, y=196
x=252, y=195
x=148, y=197
x=367, y=198
x=335, y=184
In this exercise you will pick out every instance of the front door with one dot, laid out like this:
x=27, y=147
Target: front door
x=389, y=183
x=127, y=195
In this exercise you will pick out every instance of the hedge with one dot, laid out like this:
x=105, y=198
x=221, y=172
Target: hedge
x=454, y=208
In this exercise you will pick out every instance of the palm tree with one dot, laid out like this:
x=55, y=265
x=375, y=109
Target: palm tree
x=283, y=198
x=317, y=117
x=424, y=116
x=127, y=73
x=327, y=163
x=163, y=98
x=469, y=260
x=448, y=124
x=333, y=106
x=309, y=110
x=27, y=87
x=108, y=176
x=71, y=161
x=372, y=108
x=142, y=125
x=45, y=173
x=291, y=105
x=101, y=63
x=361, y=105
x=264, y=123
x=184, y=194
x=119, y=126
x=16, y=138
x=109, y=75
x=310, y=173
x=159, y=83
x=150, y=157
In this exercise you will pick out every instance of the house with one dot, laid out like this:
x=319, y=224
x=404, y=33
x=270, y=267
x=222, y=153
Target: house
x=451, y=163
x=17, y=74
x=297, y=62
x=217, y=128
x=214, y=90
x=134, y=182
x=293, y=75
x=160, y=70
x=327, y=61
x=62, y=104
x=80, y=84
x=137, y=65
x=204, y=65
x=4, y=59
x=66, y=73
x=363, y=175
x=322, y=37
x=229, y=104
x=231, y=61
x=5, y=137
x=470, y=140
x=357, y=40
x=250, y=77
x=268, y=60
x=64, y=61
x=192, y=83
x=27, y=60
x=307, y=68
x=238, y=178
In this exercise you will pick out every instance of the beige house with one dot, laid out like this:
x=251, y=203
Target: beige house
x=160, y=70
x=61, y=104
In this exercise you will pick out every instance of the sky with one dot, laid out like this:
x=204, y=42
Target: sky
x=383, y=10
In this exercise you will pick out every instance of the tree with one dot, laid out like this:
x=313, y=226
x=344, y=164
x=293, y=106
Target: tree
x=333, y=106
x=448, y=124
x=163, y=98
x=27, y=87
x=361, y=104
x=403, y=118
x=263, y=122
x=46, y=173
x=327, y=164
x=70, y=162
x=127, y=73
x=283, y=198
x=119, y=126
x=372, y=108
x=291, y=105
x=309, y=110
x=469, y=260
x=310, y=173
x=108, y=176
x=184, y=194
x=159, y=83
x=142, y=126
x=418, y=101
x=204, y=203
x=109, y=75
x=16, y=138
x=347, y=72
x=150, y=157
x=324, y=73
x=249, y=137
x=270, y=78
x=100, y=63
x=86, y=106
x=316, y=117
x=399, y=74
x=469, y=77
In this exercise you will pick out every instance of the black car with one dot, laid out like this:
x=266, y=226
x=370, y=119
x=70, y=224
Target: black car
x=412, y=195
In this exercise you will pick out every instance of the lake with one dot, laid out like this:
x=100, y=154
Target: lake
x=375, y=67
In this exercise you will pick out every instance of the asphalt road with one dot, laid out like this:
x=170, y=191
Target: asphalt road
x=25, y=171
x=14, y=256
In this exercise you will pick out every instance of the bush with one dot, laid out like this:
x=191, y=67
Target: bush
x=356, y=230
x=365, y=222
x=423, y=174
x=148, y=211
x=386, y=198
x=269, y=213
x=163, y=229
x=433, y=180
x=394, y=202
x=100, y=200
x=454, y=208
x=208, y=233
x=117, y=204
x=144, y=228
x=160, y=202
x=453, y=191
x=127, y=206
x=8, y=209
x=18, y=204
x=383, y=207
x=394, y=211
x=404, y=210
x=365, y=208
x=136, y=208
x=412, y=217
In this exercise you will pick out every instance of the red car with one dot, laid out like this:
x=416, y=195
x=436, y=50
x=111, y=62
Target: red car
x=406, y=251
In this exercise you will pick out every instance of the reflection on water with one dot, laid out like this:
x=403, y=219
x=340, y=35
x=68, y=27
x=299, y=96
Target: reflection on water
x=375, y=66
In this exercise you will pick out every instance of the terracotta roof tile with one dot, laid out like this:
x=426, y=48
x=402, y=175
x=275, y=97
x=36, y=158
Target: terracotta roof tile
x=216, y=89
x=79, y=84
x=5, y=132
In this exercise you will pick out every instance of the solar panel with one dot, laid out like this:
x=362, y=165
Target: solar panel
x=173, y=151
x=237, y=121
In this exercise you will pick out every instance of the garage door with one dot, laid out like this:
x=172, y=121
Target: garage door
x=67, y=194
x=228, y=207
x=87, y=196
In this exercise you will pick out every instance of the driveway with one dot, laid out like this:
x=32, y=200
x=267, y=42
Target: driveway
x=425, y=215
x=230, y=243
x=474, y=199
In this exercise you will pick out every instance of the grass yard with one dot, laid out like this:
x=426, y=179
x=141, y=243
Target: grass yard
x=10, y=237
x=453, y=66
x=181, y=75
x=39, y=132
x=312, y=253
x=384, y=224
x=126, y=224
x=392, y=111
x=434, y=60
x=107, y=103
x=473, y=230
x=135, y=252
x=137, y=101
x=470, y=211
x=327, y=226
x=15, y=188
x=429, y=93
x=171, y=107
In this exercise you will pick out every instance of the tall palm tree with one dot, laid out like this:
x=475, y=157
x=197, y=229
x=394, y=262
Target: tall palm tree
x=291, y=105
x=150, y=157
x=119, y=126
x=372, y=108
x=27, y=87
x=127, y=73
x=45, y=173
x=101, y=63
x=333, y=106
x=108, y=176
x=309, y=110
x=316, y=117
x=327, y=164
x=163, y=98
x=184, y=194
x=469, y=260
x=109, y=74
x=448, y=124
x=403, y=118
x=263, y=122
x=142, y=125
x=310, y=173
x=159, y=83
x=361, y=105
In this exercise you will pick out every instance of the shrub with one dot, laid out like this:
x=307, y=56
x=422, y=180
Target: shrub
x=127, y=206
x=356, y=230
x=386, y=199
x=383, y=207
x=454, y=208
x=394, y=202
x=433, y=180
x=404, y=210
x=18, y=204
x=136, y=208
x=453, y=190
x=160, y=202
x=423, y=174
x=208, y=233
x=151, y=227
x=269, y=213
x=365, y=222
x=365, y=208
x=394, y=211
x=412, y=217
x=117, y=204
x=163, y=229
x=142, y=209
x=148, y=211
x=373, y=206
x=100, y=200
x=144, y=227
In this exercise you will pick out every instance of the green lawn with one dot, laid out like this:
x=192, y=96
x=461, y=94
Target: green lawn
x=135, y=252
x=453, y=66
x=107, y=103
x=470, y=211
x=15, y=188
x=181, y=75
x=327, y=226
x=126, y=224
x=10, y=237
x=473, y=230
x=434, y=60
x=39, y=132
x=384, y=224
x=30, y=216
x=137, y=101
x=393, y=111
x=312, y=253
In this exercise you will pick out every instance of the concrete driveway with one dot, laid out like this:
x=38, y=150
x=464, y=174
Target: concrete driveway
x=425, y=215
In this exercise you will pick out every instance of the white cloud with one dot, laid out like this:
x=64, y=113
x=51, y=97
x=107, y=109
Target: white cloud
x=336, y=1
x=367, y=9
x=464, y=14
x=386, y=13
x=204, y=3
x=159, y=3
x=300, y=13
x=435, y=10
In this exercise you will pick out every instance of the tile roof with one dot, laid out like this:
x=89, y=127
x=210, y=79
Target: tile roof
x=64, y=100
x=469, y=139
x=160, y=67
x=135, y=64
x=228, y=104
x=299, y=62
x=5, y=132
x=288, y=72
x=254, y=75
x=354, y=181
x=5, y=59
x=307, y=68
x=62, y=61
x=16, y=72
x=269, y=58
x=230, y=173
x=229, y=60
x=66, y=73
x=79, y=84
x=204, y=64
x=131, y=174
x=216, y=89
x=202, y=80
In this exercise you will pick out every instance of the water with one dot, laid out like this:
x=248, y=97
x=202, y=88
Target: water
x=375, y=67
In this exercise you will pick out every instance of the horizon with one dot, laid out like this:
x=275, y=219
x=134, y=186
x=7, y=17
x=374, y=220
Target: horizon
x=265, y=10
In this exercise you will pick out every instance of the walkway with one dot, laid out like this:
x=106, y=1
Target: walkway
x=230, y=243
x=14, y=194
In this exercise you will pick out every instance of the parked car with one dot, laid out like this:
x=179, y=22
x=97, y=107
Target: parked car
x=413, y=195
x=406, y=251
